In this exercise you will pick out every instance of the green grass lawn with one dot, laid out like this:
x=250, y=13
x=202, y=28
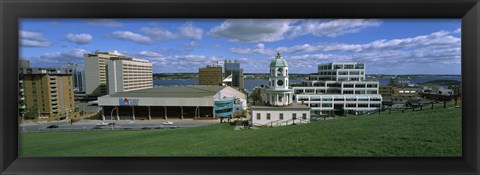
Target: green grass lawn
x=421, y=133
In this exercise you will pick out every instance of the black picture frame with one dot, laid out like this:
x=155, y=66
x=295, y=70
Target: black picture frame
x=11, y=11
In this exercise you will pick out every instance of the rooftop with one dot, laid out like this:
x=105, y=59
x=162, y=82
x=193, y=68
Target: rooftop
x=172, y=92
x=293, y=106
x=278, y=61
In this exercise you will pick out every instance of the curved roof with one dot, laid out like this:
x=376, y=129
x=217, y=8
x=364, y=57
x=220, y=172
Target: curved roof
x=278, y=61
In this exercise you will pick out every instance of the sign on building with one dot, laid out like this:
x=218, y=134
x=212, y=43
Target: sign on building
x=128, y=101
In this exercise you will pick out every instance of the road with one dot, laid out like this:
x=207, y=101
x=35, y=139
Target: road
x=119, y=125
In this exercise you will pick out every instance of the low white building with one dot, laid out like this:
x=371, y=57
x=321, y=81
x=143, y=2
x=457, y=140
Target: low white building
x=279, y=108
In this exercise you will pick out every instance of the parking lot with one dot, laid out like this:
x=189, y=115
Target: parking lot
x=85, y=125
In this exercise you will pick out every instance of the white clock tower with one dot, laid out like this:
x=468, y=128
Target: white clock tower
x=278, y=93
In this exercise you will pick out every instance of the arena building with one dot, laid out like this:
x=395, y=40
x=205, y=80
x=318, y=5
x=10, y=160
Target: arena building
x=178, y=102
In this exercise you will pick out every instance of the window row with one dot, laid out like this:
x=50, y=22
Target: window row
x=337, y=99
x=349, y=105
x=281, y=116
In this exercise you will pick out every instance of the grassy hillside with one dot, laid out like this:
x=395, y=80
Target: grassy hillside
x=421, y=133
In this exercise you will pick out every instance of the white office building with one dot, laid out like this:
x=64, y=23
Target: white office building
x=128, y=74
x=97, y=78
x=339, y=88
x=279, y=108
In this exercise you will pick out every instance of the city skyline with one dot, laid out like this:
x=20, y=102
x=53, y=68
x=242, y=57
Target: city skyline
x=412, y=46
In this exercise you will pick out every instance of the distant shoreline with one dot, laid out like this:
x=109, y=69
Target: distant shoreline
x=263, y=76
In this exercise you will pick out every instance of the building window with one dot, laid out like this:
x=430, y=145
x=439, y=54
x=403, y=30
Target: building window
x=309, y=91
x=348, y=92
x=360, y=92
x=268, y=116
x=363, y=105
x=363, y=99
x=351, y=105
x=359, y=85
x=326, y=99
x=294, y=116
x=371, y=85
x=354, y=73
x=303, y=99
x=304, y=116
x=281, y=116
x=258, y=116
x=371, y=92
x=326, y=105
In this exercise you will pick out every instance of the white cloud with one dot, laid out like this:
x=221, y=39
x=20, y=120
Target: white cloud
x=105, y=22
x=150, y=54
x=252, y=30
x=441, y=38
x=158, y=33
x=116, y=52
x=269, y=30
x=130, y=36
x=58, y=59
x=33, y=39
x=436, y=49
x=187, y=30
x=154, y=57
x=259, y=49
x=332, y=28
x=320, y=57
x=79, y=38
x=178, y=62
x=75, y=53
x=459, y=30
x=202, y=59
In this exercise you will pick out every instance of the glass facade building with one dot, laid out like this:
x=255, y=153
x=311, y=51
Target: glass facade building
x=232, y=67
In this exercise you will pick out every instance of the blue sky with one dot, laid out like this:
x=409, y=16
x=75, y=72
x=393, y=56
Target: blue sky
x=388, y=46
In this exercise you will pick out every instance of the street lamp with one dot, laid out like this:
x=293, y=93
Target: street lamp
x=111, y=117
x=196, y=112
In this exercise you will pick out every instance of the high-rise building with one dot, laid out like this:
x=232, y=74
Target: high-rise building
x=23, y=65
x=78, y=76
x=48, y=90
x=232, y=67
x=339, y=88
x=127, y=74
x=210, y=75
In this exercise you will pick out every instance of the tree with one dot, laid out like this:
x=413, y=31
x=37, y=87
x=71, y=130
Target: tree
x=31, y=113
x=256, y=97
x=244, y=113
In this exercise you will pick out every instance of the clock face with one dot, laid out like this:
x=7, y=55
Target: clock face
x=280, y=83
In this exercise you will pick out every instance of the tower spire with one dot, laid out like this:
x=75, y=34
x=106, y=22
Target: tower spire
x=278, y=56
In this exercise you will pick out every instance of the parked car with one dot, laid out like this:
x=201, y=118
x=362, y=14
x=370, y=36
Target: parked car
x=102, y=124
x=168, y=123
x=52, y=126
